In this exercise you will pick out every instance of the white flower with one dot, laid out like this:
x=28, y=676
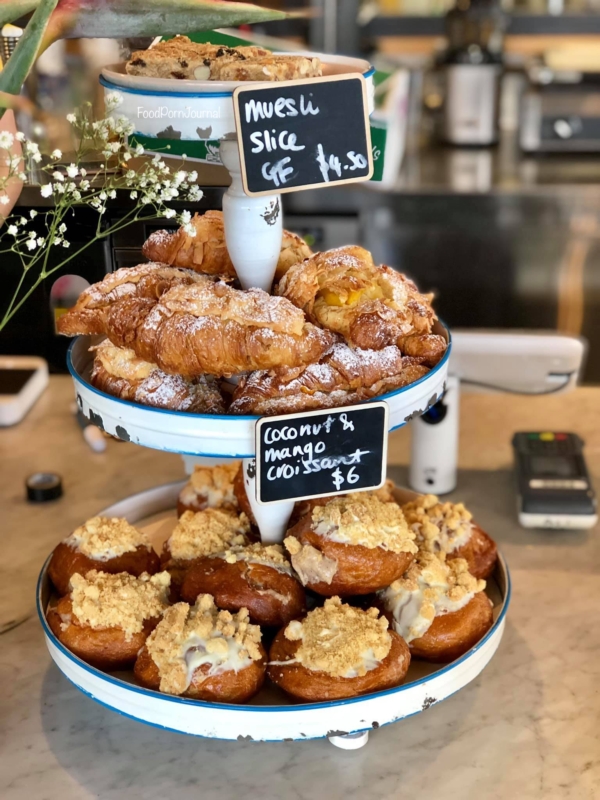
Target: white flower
x=37, y=157
x=13, y=230
x=4, y=200
x=20, y=137
x=126, y=155
x=58, y=176
x=55, y=155
x=195, y=193
x=62, y=227
x=72, y=171
x=83, y=172
x=189, y=229
x=71, y=118
x=22, y=221
x=85, y=185
x=169, y=212
x=33, y=213
x=185, y=217
x=113, y=99
x=30, y=244
x=40, y=242
x=102, y=195
x=76, y=195
x=139, y=150
x=6, y=140
x=112, y=194
x=65, y=243
x=46, y=190
x=133, y=195
x=31, y=234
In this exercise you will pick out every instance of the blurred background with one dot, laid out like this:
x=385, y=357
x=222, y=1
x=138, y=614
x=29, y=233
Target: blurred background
x=486, y=140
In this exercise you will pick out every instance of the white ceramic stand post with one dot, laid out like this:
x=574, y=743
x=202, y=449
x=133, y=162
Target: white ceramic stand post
x=271, y=518
x=253, y=226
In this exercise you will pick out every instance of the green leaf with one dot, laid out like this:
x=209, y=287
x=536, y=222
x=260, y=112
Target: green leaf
x=123, y=18
x=10, y=10
x=18, y=65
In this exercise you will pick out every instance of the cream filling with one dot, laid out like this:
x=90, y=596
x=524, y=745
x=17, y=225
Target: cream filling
x=335, y=534
x=406, y=607
x=451, y=540
x=262, y=562
x=110, y=551
x=367, y=663
x=312, y=566
x=195, y=655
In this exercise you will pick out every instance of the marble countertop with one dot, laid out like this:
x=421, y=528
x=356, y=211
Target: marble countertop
x=526, y=728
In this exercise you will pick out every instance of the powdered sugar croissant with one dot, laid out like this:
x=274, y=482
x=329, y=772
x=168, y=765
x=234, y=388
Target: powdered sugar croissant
x=145, y=282
x=204, y=327
x=344, y=376
x=207, y=252
x=119, y=372
x=344, y=291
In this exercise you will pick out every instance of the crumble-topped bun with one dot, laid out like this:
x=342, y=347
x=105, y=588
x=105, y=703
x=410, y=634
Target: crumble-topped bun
x=438, y=607
x=447, y=529
x=101, y=600
x=206, y=533
x=119, y=372
x=337, y=651
x=257, y=577
x=203, y=652
x=180, y=58
x=110, y=544
x=210, y=487
x=351, y=545
x=106, y=619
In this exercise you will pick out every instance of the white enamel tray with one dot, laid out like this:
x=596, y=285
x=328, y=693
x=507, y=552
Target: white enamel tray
x=227, y=436
x=199, y=110
x=270, y=716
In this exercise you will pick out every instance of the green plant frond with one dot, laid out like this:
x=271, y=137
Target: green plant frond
x=21, y=61
x=10, y=10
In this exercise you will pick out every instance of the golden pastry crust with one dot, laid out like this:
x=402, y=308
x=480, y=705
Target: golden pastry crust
x=480, y=553
x=344, y=376
x=272, y=598
x=66, y=561
x=206, y=252
x=211, y=487
x=428, y=348
x=180, y=58
x=313, y=686
x=120, y=373
x=146, y=283
x=212, y=328
x=227, y=687
x=452, y=635
x=330, y=567
x=105, y=648
x=266, y=68
x=344, y=291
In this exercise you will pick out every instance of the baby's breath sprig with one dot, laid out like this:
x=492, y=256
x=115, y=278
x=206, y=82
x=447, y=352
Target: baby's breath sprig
x=151, y=187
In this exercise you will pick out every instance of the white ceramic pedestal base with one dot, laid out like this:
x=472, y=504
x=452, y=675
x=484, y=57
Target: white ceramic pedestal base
x=270, y=716
x=272, y=518
x=253, y=226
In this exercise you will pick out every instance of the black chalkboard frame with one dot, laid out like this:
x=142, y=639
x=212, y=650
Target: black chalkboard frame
x=308, y=416
x=240, y=90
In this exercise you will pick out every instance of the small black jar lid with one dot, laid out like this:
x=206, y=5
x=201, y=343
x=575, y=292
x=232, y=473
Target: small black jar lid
x=43, y=486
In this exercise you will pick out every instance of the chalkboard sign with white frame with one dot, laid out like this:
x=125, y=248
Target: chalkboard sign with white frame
x=303, y=134
x=320, y=453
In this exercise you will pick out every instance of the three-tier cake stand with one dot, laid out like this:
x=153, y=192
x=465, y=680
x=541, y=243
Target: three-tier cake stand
x=254, y=247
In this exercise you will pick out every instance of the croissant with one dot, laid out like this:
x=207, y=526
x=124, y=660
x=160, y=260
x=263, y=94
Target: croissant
x=119, y=372
x=146, y=282
x=207, y=327
x=343, y=376
x=370, y=306
x=207, y=252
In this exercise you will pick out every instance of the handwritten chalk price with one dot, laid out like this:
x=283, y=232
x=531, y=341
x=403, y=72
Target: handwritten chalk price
x=321, y=453
x=302, y=134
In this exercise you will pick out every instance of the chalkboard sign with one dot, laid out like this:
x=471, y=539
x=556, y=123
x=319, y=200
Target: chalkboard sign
x=303, y=134
x=319, y=453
